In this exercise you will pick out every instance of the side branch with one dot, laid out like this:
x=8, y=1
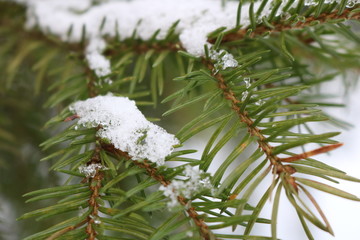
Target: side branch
x=153, y=173
x=311, y=153
x=277, y=166
x=282, y=25
x=254, y=131
x=94, y=185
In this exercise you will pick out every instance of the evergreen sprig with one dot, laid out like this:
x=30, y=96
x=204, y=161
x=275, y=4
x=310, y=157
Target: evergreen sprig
x=261, y=108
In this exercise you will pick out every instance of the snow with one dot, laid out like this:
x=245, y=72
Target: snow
x=197, y=19
x=223, y=60
x=244, y=95
x=97, y=221
x=95, y=59
x=145, y=17
x=125, y=127
x=259, y=102
x=91, y=169
x=141, y=19
x=193, y=184
x=247, y=82
x=136, y=18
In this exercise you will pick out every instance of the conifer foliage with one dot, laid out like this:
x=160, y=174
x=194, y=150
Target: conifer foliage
x=110, y=73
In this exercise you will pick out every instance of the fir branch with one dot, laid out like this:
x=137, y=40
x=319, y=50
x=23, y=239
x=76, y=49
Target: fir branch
x=276, y=163
x=153, y=173
x=162, y=48
x=282, y=25
x=254, y=131
x=95, y=185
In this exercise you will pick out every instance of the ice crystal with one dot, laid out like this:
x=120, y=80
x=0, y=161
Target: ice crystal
x=222, y=59
x=247, y=82
x=310, y=2
x=351, y=3
x=125, y=127
x=244, y=95
x=259, y=102
x=90, y=170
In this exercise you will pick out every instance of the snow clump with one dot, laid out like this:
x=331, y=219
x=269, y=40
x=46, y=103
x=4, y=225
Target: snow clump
x=125, y=127
x=188, y=187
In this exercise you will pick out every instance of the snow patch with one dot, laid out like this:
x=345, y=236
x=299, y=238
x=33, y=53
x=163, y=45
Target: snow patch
x=125, y=127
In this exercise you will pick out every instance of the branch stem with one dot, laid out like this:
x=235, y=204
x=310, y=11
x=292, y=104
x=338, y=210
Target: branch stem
x=153, y=173
x=243, y=116
x=94, y=185
x=281, y=25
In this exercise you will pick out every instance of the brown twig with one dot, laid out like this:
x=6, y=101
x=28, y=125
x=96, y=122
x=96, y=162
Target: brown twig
x=94, y=185
x=71, y=118
x=65, y=230
x=311, y=153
